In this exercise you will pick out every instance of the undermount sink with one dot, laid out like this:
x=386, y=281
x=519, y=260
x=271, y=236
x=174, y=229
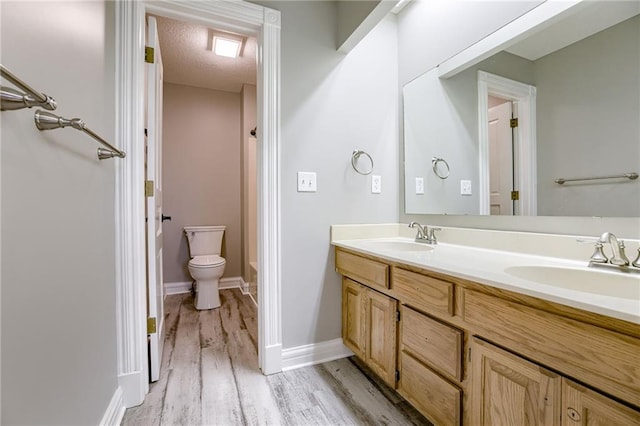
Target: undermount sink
x=615, y=284
x=404, y=246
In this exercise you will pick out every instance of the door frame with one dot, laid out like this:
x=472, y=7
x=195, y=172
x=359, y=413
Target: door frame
x=523, y=97
x=238, y=16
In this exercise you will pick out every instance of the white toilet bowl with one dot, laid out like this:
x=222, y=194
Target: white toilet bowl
x=206, y=271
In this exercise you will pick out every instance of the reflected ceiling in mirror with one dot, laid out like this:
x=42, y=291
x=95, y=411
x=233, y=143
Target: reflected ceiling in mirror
x=587, y=109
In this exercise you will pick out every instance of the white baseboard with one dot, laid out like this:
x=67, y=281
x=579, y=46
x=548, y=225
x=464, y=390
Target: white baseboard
x=185, y=286
x=232, y=282
x=317, y=353
x=115, y=411
x=178, y=287
x=271, y=359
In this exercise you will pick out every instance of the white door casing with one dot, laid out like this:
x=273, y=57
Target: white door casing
x=500, y=159
x=523, y=97
x=235, y=16
x=155, y=285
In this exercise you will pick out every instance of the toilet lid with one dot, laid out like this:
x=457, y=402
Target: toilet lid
x=207, y=261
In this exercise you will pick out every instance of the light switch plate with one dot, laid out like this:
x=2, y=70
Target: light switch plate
x=376, y=184
x=419, y=185
x=465, y=187
x=307, y=182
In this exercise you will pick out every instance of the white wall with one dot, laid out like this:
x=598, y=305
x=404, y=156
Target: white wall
x=331, y=104
x=248, y=96
x=58, y=265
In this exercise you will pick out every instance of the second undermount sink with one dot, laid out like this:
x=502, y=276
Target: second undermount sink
x=402, y=246
x=614, y=284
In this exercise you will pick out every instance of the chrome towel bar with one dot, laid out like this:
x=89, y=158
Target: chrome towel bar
x=12, y=99
x=630, y=176
x=48, y=121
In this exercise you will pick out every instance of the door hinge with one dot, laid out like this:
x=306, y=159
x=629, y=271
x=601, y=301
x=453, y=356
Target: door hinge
x=149, y=55
x=515, y=195
x=469, y=354
x=151, y=325
x=513, y=122
x=148, y=188
x=398, y=316
x=397, y=375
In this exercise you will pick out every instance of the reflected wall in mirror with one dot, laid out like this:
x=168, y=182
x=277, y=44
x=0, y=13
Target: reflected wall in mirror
x=587, y=115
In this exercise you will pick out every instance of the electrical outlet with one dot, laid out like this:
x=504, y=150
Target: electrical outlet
x=465, y=187
x=376, y=184
x=419, y=185
x=307, y=182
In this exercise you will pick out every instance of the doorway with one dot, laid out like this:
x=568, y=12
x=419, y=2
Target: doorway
x=522, y=97
x=240, y=17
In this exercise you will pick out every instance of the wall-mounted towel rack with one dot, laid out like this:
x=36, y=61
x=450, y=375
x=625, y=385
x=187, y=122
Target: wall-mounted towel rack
x=49, y=121
x=630, y=176
x=12, y=99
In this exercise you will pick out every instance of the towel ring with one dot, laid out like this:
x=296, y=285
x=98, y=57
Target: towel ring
x=354, y=160
x=434, y=166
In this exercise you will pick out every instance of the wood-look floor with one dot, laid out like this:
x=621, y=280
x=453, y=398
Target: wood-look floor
x=210, y=376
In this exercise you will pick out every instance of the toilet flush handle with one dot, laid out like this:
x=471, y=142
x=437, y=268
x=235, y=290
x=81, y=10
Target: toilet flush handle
x=166, y=218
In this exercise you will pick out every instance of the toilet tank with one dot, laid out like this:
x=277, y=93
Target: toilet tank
x=204, y=240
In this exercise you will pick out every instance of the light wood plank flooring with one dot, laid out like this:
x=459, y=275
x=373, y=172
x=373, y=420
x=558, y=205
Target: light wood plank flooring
x=210, y=376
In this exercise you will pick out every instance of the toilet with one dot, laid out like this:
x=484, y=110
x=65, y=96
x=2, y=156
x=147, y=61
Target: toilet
x=206, y=265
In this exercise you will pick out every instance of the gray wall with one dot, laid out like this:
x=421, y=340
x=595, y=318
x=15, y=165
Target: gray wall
x=331, y=104
x=200, y=173
x=58, y=265
x=430, y=32
x=589, y=123
x=249, y=197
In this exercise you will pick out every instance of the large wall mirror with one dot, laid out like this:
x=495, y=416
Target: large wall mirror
x=573, y=83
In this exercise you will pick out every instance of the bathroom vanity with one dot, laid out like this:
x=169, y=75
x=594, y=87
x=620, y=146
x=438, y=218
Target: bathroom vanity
x=467, y=343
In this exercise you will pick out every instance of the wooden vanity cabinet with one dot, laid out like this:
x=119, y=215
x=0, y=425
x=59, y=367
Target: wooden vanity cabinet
x=475, y=355
x=509, y=390
x=369, y=327
x=584, y=407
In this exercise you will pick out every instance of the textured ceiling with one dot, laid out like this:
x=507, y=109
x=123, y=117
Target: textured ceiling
x=187, y=58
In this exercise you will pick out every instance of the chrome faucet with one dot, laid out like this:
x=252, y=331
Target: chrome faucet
x=425, y=234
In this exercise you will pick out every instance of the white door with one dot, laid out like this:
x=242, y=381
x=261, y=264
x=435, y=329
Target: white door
x=154, y=201
x=500, y=159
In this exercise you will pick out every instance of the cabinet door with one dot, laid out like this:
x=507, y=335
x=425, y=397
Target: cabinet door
x=509, y=390
x=582, y=406
x=353, y=316
x=381, y=343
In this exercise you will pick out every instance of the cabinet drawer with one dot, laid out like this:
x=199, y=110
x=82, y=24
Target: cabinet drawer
x=433, y=396
x=605, y=359
x=424, y=292
x=432, y=342
x=365, y=271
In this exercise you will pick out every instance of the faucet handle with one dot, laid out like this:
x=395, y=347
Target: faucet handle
x=432, y=234
x=636, y=262
x=598, y=255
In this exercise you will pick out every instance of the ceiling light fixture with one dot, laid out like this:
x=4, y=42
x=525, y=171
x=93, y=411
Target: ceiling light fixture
x=228, y=47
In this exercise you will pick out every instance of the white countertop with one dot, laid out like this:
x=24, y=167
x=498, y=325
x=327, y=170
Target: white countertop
x=487, y=266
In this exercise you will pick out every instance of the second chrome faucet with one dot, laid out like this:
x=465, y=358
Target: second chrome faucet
x=425, y=235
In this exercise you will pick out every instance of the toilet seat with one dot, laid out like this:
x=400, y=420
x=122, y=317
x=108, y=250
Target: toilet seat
x=207, y=261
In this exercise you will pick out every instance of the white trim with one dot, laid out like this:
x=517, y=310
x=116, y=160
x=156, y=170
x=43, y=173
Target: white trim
x=524, y=98
x=236, y=16
x=317, y=353
x=177, y=287
x=129, y=206
x=182, y=287
x=231, y=282
x=115, y=410
x=531, y=22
